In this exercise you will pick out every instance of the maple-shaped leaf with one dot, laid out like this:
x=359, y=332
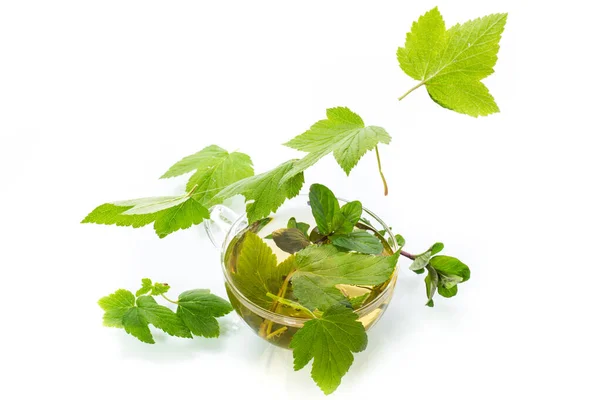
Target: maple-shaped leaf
x=215, y=169
x=451, y=63
x=343, y=133
x=320, y=268
x=266, y=192
x=181, y=214
x=257, y=272
x=330, y=340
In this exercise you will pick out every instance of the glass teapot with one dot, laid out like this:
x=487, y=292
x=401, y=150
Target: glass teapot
x=225, y=228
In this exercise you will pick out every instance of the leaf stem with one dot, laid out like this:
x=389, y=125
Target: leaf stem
x=191, y=192
x=411, y=90
x=277, y=332
x=167, y=299
x=385, y=186
x=267, y=325
x=407, y=255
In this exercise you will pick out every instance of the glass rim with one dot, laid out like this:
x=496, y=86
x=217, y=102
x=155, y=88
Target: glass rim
x=296, y=321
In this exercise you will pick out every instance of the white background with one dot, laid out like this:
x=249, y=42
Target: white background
x=99, y=98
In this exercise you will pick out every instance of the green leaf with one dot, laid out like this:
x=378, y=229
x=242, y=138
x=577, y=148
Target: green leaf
x=109, y=214
x=290, y=240
x=146, y=287
x=179, y=217
x=343, y=133
x=315, y=236
x=257, y=272
x=445, y=292
x=431, y=282
x=266, y=191
x=448, y=281
x=150, y=205
x=154, y=289
x=303, y=226
x=330, y=340
x=436, y=248
x=420, y=261
x=315, y=292
x=198, y=309
x=215, y=169
x=423, y=259
x=400, y=240
x=451, y=63
x=350, y=215
x=360, y=241
x=320, y=268
x=450, y=266
x=115, y=306
x=358, y=301
x=159, y=288
x=162, y=317
x=136, y=324
x=325, y=207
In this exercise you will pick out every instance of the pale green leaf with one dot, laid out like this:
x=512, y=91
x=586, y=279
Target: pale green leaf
x=179, y=217
x=330, y=340
x=215, y=169
x=166, y=221
x=465, y=96
x=150, y=205
x=115, y=306
x=343, y=133
x=451, y=63
x=146, y=287
x=265, y=193
x=109, y=214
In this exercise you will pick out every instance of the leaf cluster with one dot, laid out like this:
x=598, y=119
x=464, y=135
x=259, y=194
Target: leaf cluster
x=196, y=312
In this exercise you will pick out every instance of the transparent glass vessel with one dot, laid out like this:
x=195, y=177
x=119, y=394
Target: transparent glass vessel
x=225, y=228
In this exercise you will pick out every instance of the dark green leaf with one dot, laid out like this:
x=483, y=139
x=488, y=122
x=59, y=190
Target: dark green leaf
x=325, y=208
x=360, y=241
x=349, y=215
x=290, y=240
x=400, y=240
x=450, y=266
x=447, y=292
x=303, y=226
x=315, y=236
